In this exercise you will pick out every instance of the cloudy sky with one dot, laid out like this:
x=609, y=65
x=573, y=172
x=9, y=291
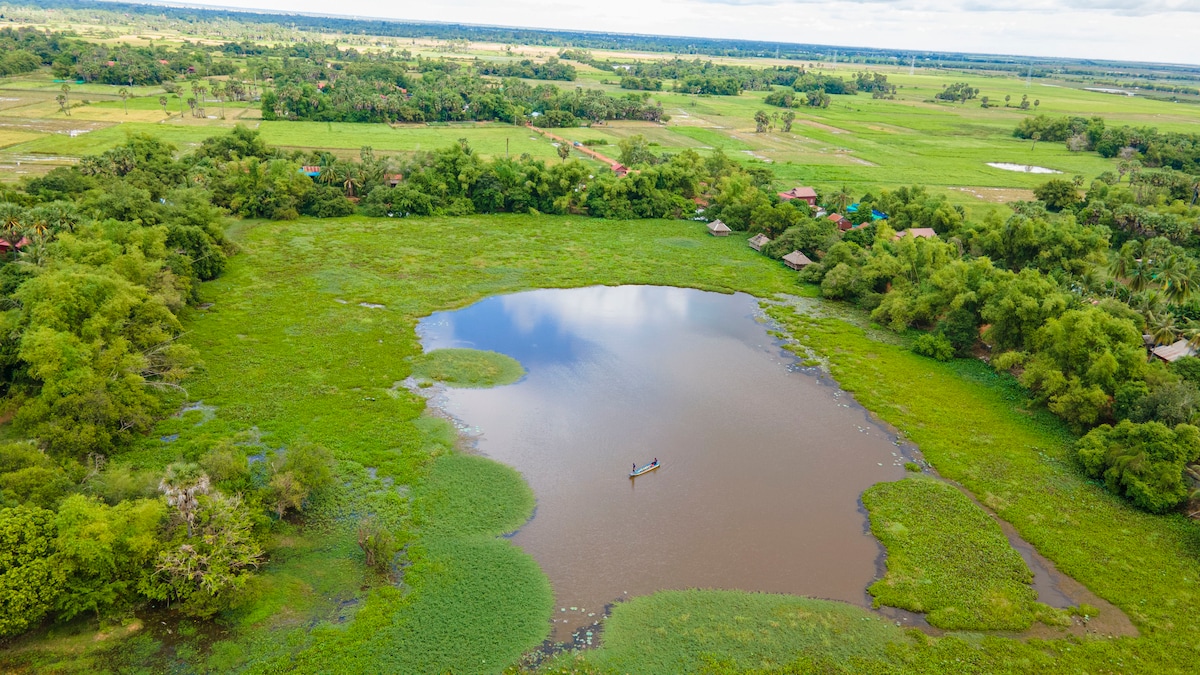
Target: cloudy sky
x=1149, y=30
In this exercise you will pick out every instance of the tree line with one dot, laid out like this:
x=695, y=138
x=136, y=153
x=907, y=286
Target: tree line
x=1137, y=146
x=1067, y=293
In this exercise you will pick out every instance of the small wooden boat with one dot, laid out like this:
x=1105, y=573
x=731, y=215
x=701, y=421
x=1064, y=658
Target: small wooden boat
x=644, y=469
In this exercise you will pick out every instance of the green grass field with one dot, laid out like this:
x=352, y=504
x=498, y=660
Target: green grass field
x=864, y=143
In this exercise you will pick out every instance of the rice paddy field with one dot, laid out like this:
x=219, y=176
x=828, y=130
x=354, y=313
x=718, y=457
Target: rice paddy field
x=865, y=143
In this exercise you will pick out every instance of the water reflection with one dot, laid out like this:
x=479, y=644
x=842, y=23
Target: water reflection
x=762, y=466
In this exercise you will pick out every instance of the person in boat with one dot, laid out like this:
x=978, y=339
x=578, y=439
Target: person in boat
x=635, y=467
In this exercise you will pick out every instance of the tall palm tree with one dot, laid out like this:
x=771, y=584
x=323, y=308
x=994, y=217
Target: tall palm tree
x=1162, y=327
x=162, y=101
x=841, y=199
x=124, y=94
x=348, y=175
x=1178, y=279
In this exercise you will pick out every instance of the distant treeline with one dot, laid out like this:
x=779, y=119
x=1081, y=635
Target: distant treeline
x=1033, y=66
x=552, y=69
x=384, y=90
x=813, y=89
x=1146, y=145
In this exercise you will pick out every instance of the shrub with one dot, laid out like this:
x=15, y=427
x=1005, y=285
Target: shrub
x=934, y=346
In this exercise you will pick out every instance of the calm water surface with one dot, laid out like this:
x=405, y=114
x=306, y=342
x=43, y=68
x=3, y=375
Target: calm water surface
x=762, y=463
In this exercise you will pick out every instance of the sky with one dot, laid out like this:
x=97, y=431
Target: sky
x=1130, y=30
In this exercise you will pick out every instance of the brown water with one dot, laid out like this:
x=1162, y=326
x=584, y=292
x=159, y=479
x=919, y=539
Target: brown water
x=762, y=463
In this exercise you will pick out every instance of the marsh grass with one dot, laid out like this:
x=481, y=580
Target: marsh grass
x=471, y=368
x=729, y=631
x=947, y=558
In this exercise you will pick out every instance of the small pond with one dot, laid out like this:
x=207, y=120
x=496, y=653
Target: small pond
x=762, y=462
x=1024, y=168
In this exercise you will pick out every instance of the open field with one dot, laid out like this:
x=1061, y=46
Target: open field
x=865, y=143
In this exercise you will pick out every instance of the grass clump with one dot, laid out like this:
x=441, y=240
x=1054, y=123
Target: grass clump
x=468, y=368
x=947, y=558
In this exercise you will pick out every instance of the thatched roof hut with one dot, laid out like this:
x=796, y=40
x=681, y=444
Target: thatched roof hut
x=796, y=260
x=718, y=229
x=758, y=241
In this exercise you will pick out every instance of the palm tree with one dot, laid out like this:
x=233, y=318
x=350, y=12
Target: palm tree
x=1178, y=277
x=124, y=94
x=841, y=199
x=1141, y=276
x=1161, y=327
x=162, y=101
x=12, y=226
x=66, y=101
x=182, y=485
x=348, y=175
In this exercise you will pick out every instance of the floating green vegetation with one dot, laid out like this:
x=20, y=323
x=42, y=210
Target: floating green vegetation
x=468, y=368
x=734, y=632
x=947, y=558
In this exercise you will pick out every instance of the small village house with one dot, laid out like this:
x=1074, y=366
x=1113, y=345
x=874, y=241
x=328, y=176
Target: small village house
x=758, y=241
x=843, y=223
x=1174, y=351
x=922, y=232
x=809, y=195
x=796, y=260
x=718, y=229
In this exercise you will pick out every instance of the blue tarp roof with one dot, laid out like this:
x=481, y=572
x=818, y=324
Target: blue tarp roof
x=875, y=215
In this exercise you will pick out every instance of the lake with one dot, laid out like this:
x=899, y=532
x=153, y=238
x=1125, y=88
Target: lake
x=762, y=461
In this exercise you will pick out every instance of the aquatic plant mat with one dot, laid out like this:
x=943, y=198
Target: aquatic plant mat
x=467, y=368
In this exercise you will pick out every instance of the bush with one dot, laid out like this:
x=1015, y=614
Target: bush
x=326, y=202
x=1143, y=462
x=934, y=346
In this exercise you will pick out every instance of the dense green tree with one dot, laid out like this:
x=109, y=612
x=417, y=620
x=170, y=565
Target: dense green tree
x=104, y=551
x=1143, y=462
x=30, y=577
x=1057, y=193
x=1079, y=360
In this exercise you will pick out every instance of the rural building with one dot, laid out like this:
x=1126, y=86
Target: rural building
x=718, y=229
x=1174, y=351
x=923, y=232
x=310, y=170
x=5, y=247
x=758, y=241
x=843, y=223
x=393, y=179
x=796, y=260
x=807, y=194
